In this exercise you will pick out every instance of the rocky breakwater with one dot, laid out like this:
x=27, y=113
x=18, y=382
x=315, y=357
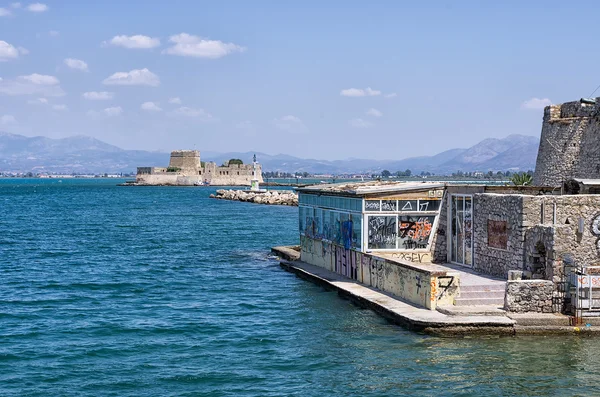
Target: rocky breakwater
x=273, y=197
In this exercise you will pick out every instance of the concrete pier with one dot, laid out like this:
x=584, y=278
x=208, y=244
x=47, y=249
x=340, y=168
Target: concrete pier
x=466, y=321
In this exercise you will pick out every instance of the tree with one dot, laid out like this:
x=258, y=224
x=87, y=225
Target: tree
x=385, y=173
x=521, y=179
x=235, y=161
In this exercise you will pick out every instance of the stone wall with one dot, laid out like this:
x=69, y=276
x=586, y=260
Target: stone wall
x=504, y=209
x=563, y=214
x=569, y=144
x=186, y=160
x=524, y=296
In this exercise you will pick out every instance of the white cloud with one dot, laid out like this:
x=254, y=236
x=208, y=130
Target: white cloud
x=37, y=7
x=40, y=79
x=53, y=33
x=38, y=101
x=113, y=111
x=191, y=112
x=8, y=119
x=176, y=100
x=5, y=12
x=98, y=96
x=134, y=77
x=15, y=5
x=187, y=45
x=536, y=103
x=135, y=41
x=23, y=51
x=358, y=92
x=289, y=123
x=360, y=123
x=391, y=95
x=77, y=64
x=60, y=107
x=374, y=112
x=151, y=107
x=7, y=51
x=33, y=84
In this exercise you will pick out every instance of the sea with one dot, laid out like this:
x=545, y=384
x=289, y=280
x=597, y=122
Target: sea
x=163, y=291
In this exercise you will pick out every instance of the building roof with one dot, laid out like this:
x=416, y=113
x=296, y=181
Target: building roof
x=371, y=187
x=588, y=182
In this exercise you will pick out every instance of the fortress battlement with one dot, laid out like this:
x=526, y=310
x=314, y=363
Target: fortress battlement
x=569, y=143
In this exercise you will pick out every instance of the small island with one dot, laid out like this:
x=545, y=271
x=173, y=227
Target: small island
x=186, y=169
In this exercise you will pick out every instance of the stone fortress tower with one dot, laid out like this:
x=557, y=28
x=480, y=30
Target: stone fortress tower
x=186, y=169
x=569, y=144
x=188, y=161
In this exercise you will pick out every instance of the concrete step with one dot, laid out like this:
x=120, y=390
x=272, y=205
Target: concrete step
x=487, y=287
x=541, y=319
x=484, y=310
x=482, y=294
x=478, y=301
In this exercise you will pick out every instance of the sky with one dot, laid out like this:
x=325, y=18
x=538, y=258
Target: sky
x=314, y=79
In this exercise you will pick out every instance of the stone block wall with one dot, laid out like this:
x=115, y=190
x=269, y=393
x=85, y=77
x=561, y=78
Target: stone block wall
x=187, y=160
x=569, y=144
x=506, y=208
x=525, y=296
x=439, y=243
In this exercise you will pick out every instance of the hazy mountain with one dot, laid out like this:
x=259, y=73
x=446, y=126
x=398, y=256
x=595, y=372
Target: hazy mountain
x=84, y=154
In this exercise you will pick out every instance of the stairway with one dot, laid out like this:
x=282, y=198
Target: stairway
x=478, y=295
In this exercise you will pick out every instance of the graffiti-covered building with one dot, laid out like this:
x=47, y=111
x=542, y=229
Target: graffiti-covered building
x=398, y=236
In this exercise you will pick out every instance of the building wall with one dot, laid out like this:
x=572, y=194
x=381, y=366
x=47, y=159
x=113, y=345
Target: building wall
x=538, y=228
x=569, y=144
x=497, y=209
x=582, y=248
x=418, y=286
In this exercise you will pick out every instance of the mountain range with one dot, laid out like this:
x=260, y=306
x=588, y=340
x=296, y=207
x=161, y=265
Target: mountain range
x=83, y=154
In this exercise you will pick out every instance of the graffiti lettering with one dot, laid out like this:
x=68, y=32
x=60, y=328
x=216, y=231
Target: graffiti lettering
x=417, y=257
x=372, y=205
x=388, y=205
x=382, y=232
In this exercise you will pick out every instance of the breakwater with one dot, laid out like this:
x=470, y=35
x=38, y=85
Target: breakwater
x=273, y=197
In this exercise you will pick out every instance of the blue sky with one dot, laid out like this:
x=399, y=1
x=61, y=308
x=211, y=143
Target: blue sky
x=336, y=79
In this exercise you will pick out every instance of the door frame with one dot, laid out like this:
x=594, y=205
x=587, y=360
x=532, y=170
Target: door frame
x=450, y=239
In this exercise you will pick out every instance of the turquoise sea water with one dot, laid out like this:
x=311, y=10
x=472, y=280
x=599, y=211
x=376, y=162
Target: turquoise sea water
x=115, y=291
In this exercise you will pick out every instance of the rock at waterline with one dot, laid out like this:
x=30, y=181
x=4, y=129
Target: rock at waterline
x=273, y=197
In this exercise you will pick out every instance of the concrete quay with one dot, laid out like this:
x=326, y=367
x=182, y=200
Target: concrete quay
x=445, y=321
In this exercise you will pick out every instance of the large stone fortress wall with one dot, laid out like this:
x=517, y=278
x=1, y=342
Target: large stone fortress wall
x=186, y=169
x=570, y=143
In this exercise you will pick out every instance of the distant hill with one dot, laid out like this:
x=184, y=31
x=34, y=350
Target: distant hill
x=83, y=154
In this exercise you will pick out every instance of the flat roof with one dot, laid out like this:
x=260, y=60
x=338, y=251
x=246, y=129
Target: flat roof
x=590, y=182
x=371, y=187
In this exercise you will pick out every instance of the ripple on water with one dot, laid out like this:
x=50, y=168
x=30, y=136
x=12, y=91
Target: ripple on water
x=111, y=291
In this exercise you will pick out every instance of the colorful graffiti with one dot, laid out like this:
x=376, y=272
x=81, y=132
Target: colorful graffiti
x=336, y=227
x=414, y=232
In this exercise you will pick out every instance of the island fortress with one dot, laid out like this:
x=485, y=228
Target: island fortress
x=186, y=169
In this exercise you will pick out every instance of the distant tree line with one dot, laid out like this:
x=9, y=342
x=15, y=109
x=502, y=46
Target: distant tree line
x=400, y=174
x=489, y=174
